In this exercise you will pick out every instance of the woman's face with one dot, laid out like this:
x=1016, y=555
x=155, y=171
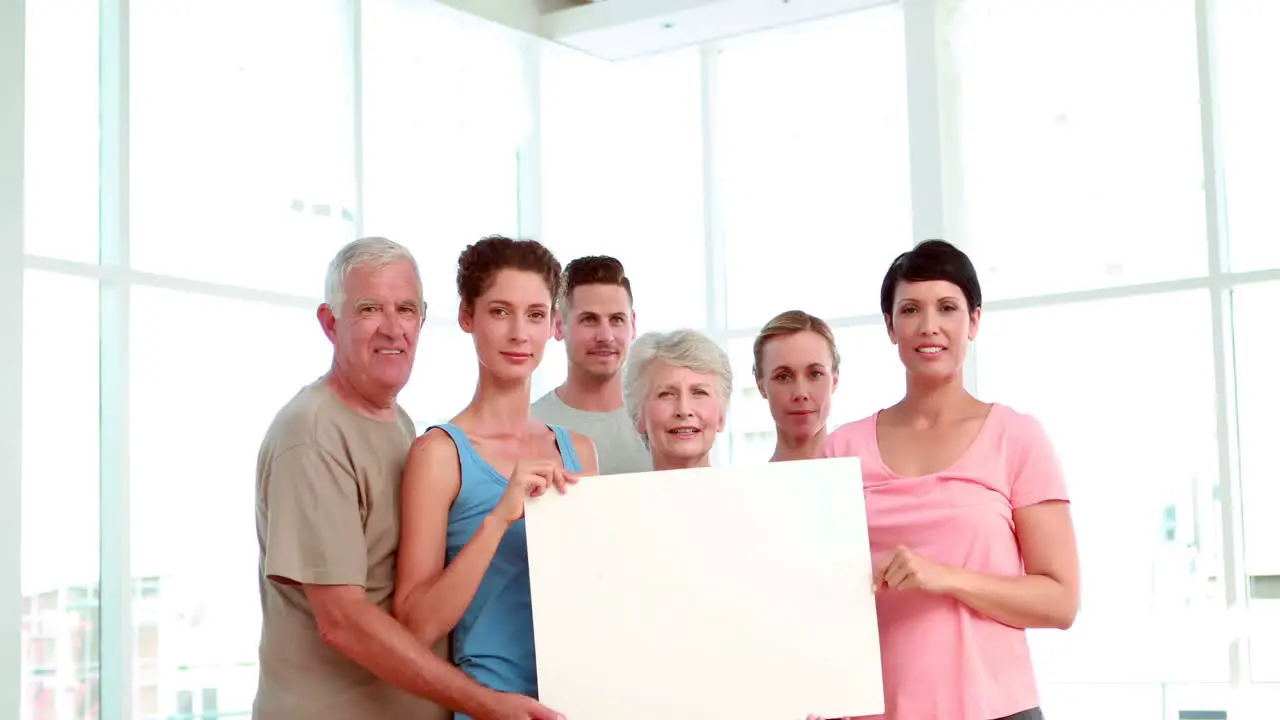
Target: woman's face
x=510, y=324
x=797, y=379
x=681, y=415
x=932, y=326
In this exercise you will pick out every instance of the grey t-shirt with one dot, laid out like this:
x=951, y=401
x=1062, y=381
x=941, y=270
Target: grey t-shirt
x=618, y=445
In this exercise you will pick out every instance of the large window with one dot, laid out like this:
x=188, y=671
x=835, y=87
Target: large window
x=201, y=401
x=443, y=118
x=622, y=175
x=61, y=108
x=241, y=153
x=811, y=134
x=1250, y=114
x=59, y=553
x=1258, y=395
x=1080, y=168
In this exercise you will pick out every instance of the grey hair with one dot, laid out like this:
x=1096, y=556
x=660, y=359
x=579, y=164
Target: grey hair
x=681, y=348
x=373, y=252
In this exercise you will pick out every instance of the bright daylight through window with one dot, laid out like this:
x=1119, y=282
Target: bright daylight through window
x=1116, y=201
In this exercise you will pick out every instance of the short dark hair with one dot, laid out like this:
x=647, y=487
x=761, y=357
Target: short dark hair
x=594, y=270
x=481, y=262
x=932, y=260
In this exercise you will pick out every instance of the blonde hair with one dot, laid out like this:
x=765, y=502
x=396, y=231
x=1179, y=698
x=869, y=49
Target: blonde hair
x=790, y=323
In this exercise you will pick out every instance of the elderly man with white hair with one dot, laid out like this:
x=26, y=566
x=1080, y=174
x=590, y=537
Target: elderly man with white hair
x=677, y=387
x=328, y=513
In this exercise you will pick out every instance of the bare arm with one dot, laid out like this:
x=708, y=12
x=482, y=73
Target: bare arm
x=429, y=598
x=369, y=636
x=587, y=454
x=1048, y=595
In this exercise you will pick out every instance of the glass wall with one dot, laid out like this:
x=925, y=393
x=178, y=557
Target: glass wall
x=1114, y=201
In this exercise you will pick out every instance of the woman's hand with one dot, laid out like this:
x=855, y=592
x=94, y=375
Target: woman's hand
x=905, y=569
x=530, y=479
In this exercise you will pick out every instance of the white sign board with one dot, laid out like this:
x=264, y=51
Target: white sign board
x=741, y=592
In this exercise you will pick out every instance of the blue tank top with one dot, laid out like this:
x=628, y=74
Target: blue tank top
x=493, y=642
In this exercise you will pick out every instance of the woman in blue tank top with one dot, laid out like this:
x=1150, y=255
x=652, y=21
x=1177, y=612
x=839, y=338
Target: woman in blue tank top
x=463, y=567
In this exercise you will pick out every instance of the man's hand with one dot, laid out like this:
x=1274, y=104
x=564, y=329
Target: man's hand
x=510, y=706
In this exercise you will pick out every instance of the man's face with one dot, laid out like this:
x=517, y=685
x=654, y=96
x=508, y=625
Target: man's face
x=597, y=326
x=375, y=337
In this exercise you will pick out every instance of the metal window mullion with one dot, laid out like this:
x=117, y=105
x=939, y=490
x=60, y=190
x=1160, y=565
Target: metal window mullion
x=12, y=151
x=355, y=83
x=716, y=244
x=717, y=310
x=934, y=148
x=529, y=201
x=1224, y=375
x=116, y=577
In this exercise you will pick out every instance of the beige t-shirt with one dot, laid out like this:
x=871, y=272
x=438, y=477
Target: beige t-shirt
x=328, y=510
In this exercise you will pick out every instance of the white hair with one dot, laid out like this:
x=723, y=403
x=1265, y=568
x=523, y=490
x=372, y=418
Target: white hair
x=372, y=252
x=681, y=348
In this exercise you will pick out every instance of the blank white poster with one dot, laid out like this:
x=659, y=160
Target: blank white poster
x=740, y=592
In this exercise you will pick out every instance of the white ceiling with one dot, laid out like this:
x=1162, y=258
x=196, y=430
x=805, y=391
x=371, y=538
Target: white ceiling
x=619, y=29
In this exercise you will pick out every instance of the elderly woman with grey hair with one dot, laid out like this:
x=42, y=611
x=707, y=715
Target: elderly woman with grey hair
x=677, y=386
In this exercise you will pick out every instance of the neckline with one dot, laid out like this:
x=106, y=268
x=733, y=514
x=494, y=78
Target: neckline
x=574, y=408
x=960, y=459
x=493, y=471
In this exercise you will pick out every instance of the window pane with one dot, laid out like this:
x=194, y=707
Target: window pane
x=622, y=174
x=871, y=378
x=1249, y=114
x=1079, y=169
x=61, y=183
x=812, y=132
x=444, y=375
x=1153, y=701
x=1153, y=611
x=443, y=105
x=1090, y=702
x=241, y=152
x=1257, y=396
x=200, y=401
x=60, y=567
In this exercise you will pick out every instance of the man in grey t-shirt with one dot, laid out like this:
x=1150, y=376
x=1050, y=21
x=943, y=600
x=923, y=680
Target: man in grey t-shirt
x=597, y=323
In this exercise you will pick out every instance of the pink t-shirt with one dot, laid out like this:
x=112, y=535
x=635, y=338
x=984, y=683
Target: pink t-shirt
x=941, y=660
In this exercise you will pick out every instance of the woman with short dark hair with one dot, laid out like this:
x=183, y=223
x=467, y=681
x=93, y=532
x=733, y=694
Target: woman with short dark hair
x=967, y=509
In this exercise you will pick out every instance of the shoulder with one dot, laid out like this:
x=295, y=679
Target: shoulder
x=851, y=438
x=1019, y=430
x=406, y=420
x=304, y=420
x=586, y=451
x=435, y=447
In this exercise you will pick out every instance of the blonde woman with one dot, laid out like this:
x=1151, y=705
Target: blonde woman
x=797, y=368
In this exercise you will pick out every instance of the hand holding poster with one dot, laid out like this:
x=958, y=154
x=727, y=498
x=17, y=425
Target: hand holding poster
x=740, y=592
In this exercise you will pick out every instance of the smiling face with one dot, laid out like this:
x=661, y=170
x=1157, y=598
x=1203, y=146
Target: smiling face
x=375, y=333
x=597, y=328
x=932, y=326
x=680, y=416
x=798, y=381
x=510, y=323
